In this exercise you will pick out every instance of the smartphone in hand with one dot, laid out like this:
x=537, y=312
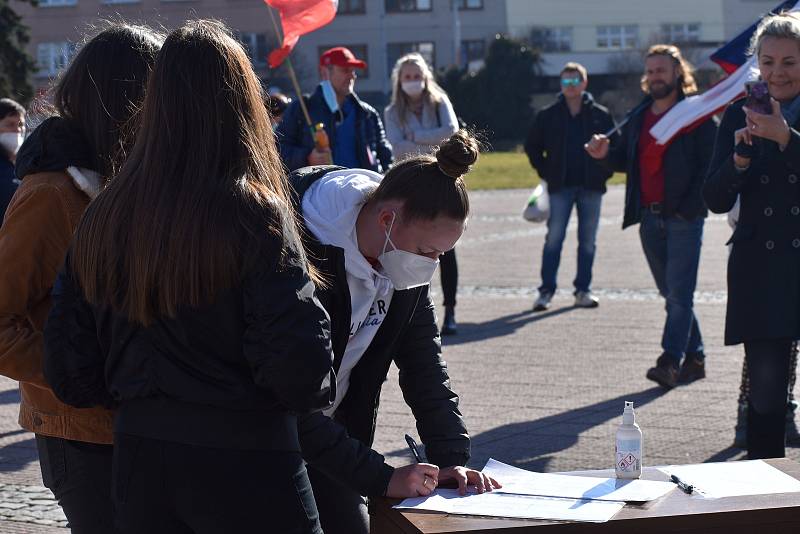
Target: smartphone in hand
x=758, y=98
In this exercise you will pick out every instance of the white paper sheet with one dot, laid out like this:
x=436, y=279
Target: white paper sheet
x=494, y=504
x=734, y=479
x=521, y=482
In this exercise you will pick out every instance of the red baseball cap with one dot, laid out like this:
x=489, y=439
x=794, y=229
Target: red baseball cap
x=341, y=57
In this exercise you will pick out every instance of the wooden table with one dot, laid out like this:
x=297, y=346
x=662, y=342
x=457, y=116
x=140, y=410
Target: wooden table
x=674, y=512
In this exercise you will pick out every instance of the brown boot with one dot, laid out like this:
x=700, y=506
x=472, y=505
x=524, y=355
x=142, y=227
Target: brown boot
x=665, y=372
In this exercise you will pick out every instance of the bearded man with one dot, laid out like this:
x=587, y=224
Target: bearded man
x=663, y=193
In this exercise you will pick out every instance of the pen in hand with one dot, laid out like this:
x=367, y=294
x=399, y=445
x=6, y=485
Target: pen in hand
x=414, y=449
x=686, y=488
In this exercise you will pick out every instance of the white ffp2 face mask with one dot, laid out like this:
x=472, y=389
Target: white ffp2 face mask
x=405, y=269
x=11, y=141
x=413, y=88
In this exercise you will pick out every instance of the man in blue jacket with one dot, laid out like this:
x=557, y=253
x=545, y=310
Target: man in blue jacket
x=354, y=128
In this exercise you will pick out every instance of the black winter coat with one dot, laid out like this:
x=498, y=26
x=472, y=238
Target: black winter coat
x=228, y=375
x=764, y=263
x=546, y=143
x=685, y=168
x=409, y=337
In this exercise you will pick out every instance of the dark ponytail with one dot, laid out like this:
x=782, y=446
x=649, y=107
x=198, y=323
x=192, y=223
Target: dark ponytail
x=432, y=185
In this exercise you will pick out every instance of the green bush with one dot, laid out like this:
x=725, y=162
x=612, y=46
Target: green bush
x=496, y=99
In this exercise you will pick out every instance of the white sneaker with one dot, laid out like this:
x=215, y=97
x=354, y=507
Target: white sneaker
x=543, y=302
x=585, y=299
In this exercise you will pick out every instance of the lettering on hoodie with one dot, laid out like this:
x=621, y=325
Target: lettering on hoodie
x=375, y=317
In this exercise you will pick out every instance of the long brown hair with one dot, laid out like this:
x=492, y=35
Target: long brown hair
x=104, y=85
x=200, y=196
x=687, y=84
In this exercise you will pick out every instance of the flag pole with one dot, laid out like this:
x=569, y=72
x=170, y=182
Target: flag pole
x=292, y=75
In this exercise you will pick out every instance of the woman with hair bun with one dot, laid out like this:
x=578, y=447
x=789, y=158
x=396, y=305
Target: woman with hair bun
x=419, y=117
x=376, y=241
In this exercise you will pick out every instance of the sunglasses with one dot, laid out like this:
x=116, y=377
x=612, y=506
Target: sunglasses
x=574, y=82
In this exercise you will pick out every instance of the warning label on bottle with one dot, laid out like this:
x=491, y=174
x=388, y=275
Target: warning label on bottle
x=628, y=461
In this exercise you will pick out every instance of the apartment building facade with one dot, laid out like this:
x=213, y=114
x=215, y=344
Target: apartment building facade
x=607, y=36
x=446, y=32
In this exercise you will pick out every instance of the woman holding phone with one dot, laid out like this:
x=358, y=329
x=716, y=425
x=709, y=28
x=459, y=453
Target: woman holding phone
x=757, y=158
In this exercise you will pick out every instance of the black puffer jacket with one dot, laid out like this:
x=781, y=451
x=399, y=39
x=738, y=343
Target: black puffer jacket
x=228, y=375
x=410, y=338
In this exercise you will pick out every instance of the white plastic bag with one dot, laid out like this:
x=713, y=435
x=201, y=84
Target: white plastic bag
x=537, y=208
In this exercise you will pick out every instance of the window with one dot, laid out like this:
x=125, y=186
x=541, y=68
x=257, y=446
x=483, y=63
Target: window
x=57, y=3
x=351, y=7
x=472, y=50
x=681, y=33
x=120, y=1
x=469, y=4
x=400, y=6
x=395, y=51
x=619, y=37
x=255, y=44
x=52, y=57
x=358, y=50
x=558, y=39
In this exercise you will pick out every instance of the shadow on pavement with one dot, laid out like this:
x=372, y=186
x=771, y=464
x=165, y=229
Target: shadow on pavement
x=501, y=326
x=17, y=456
x=533, y=444
x=10, y=396
x=726, y=454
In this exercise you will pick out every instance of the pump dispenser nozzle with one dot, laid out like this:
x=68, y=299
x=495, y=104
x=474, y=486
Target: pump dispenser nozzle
x=628, y=415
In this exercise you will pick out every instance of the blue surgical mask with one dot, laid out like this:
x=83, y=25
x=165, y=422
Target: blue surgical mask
x=329, y=95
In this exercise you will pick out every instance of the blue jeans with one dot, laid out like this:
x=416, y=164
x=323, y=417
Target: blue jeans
x=672, y=247
x=587, y=203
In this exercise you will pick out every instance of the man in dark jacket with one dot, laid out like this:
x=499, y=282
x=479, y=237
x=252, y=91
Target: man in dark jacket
x=555, y=149
x=663, y=193
x=12, y=132
x=354, y=129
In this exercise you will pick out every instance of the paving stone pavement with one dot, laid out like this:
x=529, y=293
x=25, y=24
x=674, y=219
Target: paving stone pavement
x=543, y=391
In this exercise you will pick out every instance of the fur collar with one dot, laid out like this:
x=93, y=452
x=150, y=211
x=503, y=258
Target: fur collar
x=87, y=180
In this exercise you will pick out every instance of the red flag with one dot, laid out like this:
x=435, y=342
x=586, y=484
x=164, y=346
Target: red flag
x=299, y=17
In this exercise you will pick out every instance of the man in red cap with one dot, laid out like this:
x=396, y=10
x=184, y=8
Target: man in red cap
x=353, y=127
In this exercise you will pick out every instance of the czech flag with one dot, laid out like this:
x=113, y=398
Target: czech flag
x=733, y=54
x=299, y=17
x=733, y=59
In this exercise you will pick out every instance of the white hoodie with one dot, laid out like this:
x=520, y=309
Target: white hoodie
x=330, y=208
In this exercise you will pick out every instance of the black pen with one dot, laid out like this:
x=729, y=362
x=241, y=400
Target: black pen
x=414, y=449
x=686, y=488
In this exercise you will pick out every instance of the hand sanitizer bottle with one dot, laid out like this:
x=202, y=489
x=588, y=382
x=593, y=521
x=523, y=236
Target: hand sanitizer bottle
x=629, y=445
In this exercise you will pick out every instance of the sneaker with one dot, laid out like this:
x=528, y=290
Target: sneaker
x=585, y=299
x=543, y=302
x=449, y=326
x=665, y=372
x=693, y=368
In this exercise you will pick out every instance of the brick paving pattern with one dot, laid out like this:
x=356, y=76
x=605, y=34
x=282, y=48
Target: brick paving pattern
x=543, y=391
